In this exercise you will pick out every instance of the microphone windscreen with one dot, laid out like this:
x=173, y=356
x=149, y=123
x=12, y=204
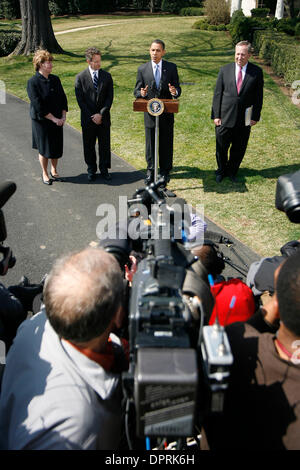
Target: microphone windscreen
x=7, y=189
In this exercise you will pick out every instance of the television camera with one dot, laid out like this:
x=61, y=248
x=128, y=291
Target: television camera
x=179, y=366
x=18, y=300
x=8, y=260
x=287, y=197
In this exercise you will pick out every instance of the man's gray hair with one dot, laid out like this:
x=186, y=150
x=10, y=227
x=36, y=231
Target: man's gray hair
x=82, y=294
x=90, y=52
x=245, y=43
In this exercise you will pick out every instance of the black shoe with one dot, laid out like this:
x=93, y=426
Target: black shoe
x=91, y=176
x=219, y=178
x=166, y=178
x=57, y=178
x=149, y=178
x=106, y=176
x=48, y=182
x=233, y=178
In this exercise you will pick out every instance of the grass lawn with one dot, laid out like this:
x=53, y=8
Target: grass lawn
x=245, y=209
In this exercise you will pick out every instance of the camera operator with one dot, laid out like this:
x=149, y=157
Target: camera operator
x=223, y=291
x=260, y=277
x=61, y=386
x=15, y=301
x=15, y=304
x=12, y=314
x=262, y=407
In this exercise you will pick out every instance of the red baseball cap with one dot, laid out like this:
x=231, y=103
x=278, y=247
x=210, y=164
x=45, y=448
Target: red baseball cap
x=244, y=305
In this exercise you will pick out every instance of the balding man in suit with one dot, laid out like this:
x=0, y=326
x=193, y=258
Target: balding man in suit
x=236, y=107
x=164, y=84
x=94, y=93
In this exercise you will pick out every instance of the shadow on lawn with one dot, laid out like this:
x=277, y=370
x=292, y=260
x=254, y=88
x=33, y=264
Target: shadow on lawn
x=208, y=183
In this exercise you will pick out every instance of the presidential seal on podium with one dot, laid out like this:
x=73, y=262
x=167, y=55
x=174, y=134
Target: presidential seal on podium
x=155, y=107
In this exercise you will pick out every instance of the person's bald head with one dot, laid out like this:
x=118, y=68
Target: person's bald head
x=82, y=294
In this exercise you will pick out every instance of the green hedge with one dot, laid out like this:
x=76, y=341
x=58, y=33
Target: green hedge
x=282, y=52
x=191, y=11
x=10, y=9
x=205, y=26
x=8, y=41
x=243, y=28
x=260, y=12
x=272, y=40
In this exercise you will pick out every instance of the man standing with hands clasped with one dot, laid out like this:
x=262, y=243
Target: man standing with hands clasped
x=236, y=107
x=158, y=79
x=94, y=93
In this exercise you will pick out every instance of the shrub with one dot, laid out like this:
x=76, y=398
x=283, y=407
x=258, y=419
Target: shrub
x=241, y=29
x=281, y=51
x=222, y=27
x=191, y=11
x=217, y=11
x=56, y=8
x=172, y=6
x=297, y=30
x=201, y=24
x=236, y=16
x=10, y=9
x=260, y=12
x=212, y=27
x=8, y=41
x=286, y=25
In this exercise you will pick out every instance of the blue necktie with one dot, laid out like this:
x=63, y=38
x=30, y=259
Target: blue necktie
x=157, y=77
x=95, y=80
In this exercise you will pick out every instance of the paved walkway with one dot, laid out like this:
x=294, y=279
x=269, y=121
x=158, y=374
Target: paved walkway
x=66, y=31
x=45, y=221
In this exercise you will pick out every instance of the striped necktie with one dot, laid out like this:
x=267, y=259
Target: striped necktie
x=95, y=80
x=157, y=76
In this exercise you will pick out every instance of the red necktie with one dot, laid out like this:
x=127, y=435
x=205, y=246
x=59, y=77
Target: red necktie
x=239, y=80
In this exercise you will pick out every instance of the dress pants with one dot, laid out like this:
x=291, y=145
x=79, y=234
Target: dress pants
x=165, y=145
x=90, y=134
x=238, y=138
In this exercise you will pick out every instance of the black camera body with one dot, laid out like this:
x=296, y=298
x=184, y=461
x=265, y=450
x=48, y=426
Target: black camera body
x=287, y=198
x=176, y=373
x=8, y=260
x=163, y=372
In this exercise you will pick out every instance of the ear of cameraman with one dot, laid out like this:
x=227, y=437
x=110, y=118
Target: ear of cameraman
x=61, y=386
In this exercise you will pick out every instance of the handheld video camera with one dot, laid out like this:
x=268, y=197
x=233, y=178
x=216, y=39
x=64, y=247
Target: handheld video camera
x=179, y=366
x=8, y=260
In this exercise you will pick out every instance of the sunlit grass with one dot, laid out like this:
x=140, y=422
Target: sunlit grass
x=245, y=209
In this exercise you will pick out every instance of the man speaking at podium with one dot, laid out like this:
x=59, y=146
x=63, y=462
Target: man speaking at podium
x=158, y=79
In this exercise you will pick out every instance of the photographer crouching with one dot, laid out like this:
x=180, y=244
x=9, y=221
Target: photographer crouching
x=18, y=300
x=63, y=370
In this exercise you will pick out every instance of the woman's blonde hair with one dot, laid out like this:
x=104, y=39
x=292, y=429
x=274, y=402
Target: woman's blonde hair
x=41, y=56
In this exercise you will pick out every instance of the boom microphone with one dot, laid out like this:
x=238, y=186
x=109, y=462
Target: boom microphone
x=6, y=191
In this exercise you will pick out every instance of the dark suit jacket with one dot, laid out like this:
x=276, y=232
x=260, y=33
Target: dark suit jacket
x=91, y=101
x=231, y=107
x=145, y=77
x=46, y=96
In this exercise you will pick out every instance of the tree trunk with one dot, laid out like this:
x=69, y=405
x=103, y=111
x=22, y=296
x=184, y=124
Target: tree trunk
x=151, y=6
x=37, y=31
x=279, y=9
x=289, y=6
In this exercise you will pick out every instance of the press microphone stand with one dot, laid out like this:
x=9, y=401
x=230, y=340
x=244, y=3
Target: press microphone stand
x=155, y=107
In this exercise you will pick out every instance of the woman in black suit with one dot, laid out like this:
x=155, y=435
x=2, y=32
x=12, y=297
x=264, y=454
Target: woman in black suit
x=48, y=108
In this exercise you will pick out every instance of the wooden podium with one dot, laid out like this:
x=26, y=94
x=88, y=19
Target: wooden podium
x=155, y=107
